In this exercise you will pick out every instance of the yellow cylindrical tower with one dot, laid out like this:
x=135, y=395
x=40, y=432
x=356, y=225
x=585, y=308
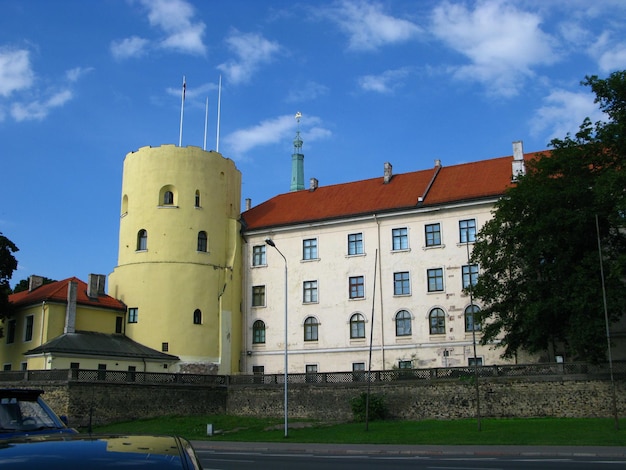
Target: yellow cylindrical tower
x=179, y=256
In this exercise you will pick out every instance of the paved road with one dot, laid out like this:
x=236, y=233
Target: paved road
x=273, y=456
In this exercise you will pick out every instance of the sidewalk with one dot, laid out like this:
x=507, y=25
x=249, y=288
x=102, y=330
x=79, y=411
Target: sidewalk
x=404, y=450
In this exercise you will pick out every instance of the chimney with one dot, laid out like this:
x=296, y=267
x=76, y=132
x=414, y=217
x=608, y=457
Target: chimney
x=518, y=160
x=95, y=285
x=387, y=173
x=34, y=282
x=313, y=184
x=437, y=163
x=248, y=203
x=70, y=313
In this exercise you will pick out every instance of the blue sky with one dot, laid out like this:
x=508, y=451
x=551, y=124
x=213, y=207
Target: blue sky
x=82, y=83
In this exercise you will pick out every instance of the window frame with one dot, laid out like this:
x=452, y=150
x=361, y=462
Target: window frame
x=467, y=231
x=357, y=326
x=133, y=314
x=309, y=249
x=258, y=332
x=402, y=319
x=469, y=319
x=432, y=237
x=29, y=325
x=311, y=329
x=401, y=236
x=259, y=257
x=258, y=295
x=438, y=327
x=356, y=286
x=197, y=317
x=402, y=283
x=434, y=278
x=142, y=240
x=355, y=244
x=203, y=242
x=309, y=292
x=469, y=275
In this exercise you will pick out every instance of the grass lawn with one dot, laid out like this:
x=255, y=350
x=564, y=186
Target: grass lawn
x=539, y=431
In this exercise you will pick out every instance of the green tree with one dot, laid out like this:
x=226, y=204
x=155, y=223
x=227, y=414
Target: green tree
x=540, y=276
x=24, y=283
x=8, y=264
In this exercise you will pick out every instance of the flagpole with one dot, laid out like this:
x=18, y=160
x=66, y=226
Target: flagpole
x=182, y=109
x=206, y=120
x=219, y=109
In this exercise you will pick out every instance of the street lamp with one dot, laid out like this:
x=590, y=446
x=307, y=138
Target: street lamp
x=271, y=243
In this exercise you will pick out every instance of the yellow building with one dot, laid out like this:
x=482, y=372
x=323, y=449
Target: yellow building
x=179, y=256
x=72, y=324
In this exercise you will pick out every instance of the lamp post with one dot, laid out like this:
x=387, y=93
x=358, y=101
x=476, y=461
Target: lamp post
x=271, y=243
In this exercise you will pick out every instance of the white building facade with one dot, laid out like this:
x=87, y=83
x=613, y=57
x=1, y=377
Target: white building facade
x=376, y=271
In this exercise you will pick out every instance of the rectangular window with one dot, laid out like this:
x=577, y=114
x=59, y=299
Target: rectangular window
x=400, y=238
x=475, y=361
x=133, y=314
x=433, y=234
x=309, y=294
x=357, y=287
x=309, y=248
x=102, y=371
x=258, y=296
x=401, y=283
x=11, y=325
x=258, y=255
x=6, y=367
x=405, y=364
x=355, y=244
x=311, y=373
x=467, y=231
x=435, y=280
x=23, y=365
x=28, y=328
x=165, y=347
x=119, y=321
x=470, y=275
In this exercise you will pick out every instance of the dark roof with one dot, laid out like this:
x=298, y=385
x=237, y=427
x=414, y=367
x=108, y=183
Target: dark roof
x=57, y=292
x=436, y=186
x=91, y=343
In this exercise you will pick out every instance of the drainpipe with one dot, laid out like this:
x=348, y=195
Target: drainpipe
x=380, y=294
x=43, y=316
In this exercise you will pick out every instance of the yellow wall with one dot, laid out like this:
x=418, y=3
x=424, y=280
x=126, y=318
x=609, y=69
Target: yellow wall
x=48, y=323
x=171, y=279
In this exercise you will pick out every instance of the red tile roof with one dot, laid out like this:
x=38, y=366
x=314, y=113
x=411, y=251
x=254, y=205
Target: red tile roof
x=57, y=292
x=468, y=181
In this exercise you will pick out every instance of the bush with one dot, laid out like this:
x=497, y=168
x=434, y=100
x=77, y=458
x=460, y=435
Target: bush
x=377, y=407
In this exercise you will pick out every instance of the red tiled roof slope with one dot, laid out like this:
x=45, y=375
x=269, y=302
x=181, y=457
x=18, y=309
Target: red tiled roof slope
x=467, y=181
x=57, y=292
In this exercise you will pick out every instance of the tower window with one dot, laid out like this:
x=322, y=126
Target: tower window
x=197, y=317
x=168, y=198
x=142, y=240
x=197, y=203
x=202, y=241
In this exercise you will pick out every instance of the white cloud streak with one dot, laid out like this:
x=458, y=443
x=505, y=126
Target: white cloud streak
x=15, y=71
x=129, y=48
x=251, y=50
x=37, y=110
x=385, y=83
x=273, y=131
x=368, y=27
x=501, y=43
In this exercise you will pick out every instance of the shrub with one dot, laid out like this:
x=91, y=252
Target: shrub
x=377, y=407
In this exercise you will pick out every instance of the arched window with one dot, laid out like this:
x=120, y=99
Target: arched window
x=197, y=198
x=202, y=241
x=357, y=326
x=258, y=332
x=403, y=323
x=168, y=198
x=437, y=320
x=310, y=329
x=142, y=240
x=470, y=324
x=197, y=317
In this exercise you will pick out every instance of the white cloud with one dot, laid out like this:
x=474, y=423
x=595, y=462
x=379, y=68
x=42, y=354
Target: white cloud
x=175, y=19
x=367, y=26
x=129, y=48
x=563, y=112
x=37, y=110
x=15, y=71
x=252, y=50
x=273, y=131
x=385, y=82
x=611, y=56
x=501, y=42
x=74, y=74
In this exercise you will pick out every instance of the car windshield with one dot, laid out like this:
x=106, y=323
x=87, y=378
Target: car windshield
x=23, y=415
